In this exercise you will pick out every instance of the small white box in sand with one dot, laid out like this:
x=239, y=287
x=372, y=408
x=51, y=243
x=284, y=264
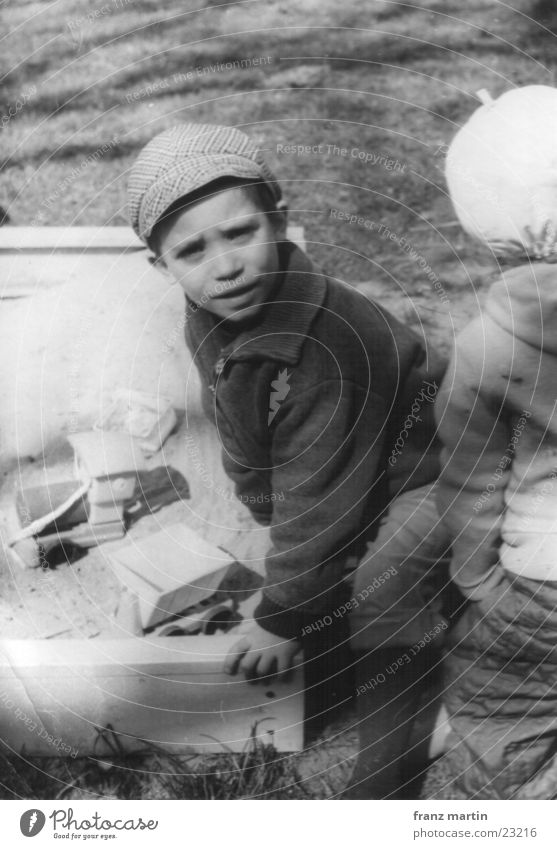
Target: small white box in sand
x=170, y=571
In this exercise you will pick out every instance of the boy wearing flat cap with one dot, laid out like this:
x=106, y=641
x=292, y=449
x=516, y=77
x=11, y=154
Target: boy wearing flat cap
x=310, y=385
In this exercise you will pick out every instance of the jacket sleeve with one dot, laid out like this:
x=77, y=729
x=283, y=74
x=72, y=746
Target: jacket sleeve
x=475, y=461
x=328, y=468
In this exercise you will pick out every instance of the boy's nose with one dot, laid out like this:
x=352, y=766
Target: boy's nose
x=227, y=265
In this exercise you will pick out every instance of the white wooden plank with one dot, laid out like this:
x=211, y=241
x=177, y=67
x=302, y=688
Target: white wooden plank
x=66, y=239
x=17, y=714
x=170, y=692
x=27, y=273
x=148, y=655
x=90, y=239
x=37, y=258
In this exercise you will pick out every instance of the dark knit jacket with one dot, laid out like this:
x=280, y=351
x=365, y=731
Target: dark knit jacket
x=309, y=403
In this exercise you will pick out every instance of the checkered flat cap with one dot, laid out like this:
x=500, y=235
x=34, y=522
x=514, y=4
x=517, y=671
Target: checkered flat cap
x=182, y=160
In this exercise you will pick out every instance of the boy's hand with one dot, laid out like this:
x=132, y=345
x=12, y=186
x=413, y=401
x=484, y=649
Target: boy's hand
x=260, y=653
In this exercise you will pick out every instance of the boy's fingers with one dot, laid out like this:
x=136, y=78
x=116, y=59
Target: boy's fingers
x=235, y=655
x=284, y=664
x=267, y=665
x=249, y=663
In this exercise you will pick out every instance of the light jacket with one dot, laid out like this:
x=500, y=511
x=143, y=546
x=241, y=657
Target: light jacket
x=309, y=404
x=496, y=412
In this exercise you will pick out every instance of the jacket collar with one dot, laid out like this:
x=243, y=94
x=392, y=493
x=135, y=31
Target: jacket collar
x=281, y=333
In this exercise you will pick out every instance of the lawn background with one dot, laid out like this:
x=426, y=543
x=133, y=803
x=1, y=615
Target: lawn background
x=385, y=78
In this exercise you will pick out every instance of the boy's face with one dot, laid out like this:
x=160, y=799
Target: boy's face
x=222, y=250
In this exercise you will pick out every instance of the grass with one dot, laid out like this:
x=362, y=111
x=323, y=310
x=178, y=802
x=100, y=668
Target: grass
x=258, y=772
x=392, y=78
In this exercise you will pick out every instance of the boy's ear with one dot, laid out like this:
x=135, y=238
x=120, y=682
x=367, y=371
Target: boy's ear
x=280, y=219
x=159, y=263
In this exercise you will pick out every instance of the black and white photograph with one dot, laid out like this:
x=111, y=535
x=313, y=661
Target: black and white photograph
x=278, y=419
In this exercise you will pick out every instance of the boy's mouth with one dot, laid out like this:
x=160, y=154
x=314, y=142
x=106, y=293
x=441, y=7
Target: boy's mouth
x=233, y=291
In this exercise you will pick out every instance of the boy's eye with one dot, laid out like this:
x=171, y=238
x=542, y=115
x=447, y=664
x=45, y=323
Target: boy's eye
x=191, y=251
x=240, y=232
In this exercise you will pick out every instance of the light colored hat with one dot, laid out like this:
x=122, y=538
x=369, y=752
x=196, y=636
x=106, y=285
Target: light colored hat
x=501, y=172
x=185, y=158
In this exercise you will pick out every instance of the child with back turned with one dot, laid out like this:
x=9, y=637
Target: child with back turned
x=498, y=422
x=310, y=385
